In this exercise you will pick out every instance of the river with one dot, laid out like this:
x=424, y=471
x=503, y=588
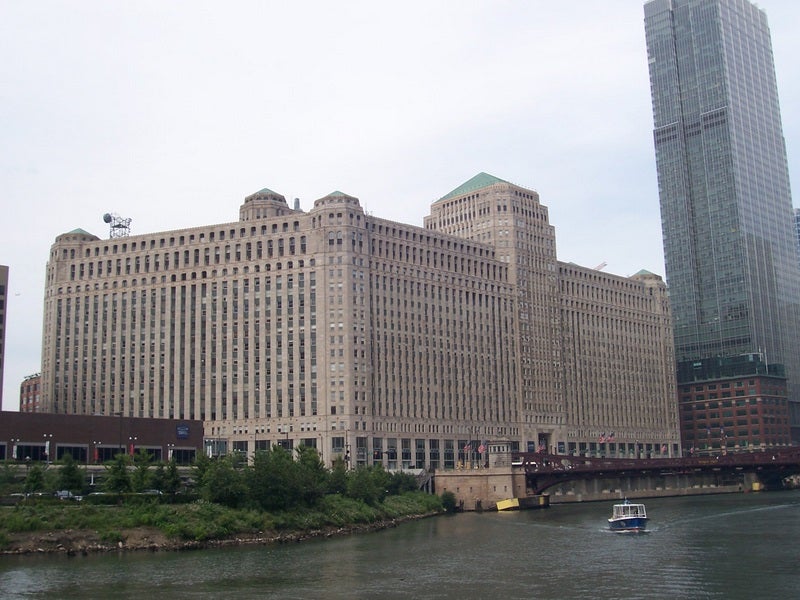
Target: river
x=725, y=546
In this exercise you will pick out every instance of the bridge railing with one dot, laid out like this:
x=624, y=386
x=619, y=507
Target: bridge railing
x=550, y=463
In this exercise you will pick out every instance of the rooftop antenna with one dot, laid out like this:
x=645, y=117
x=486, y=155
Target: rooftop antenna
x=119, y=226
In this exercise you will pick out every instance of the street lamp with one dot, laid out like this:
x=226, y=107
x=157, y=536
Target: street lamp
x=14, y=444
x=132, y=442
x=47, y=438
x=119, y=446
x=285, y=431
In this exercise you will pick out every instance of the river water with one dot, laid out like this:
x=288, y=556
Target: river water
x=726, y=546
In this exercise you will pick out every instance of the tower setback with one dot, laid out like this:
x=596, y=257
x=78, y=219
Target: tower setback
x=370, y=340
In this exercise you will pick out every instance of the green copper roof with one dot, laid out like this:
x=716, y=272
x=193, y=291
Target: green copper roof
x=81, y=231
x=481, y=180
x=267, y=191
x=645, y=272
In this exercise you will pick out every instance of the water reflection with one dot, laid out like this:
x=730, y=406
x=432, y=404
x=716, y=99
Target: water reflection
x=700, y=547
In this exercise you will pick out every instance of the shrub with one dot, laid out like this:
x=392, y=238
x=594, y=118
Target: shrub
x=34, y=482
x=449, y=501
x=223, y=483
x=111, y=537
x=70, y=476
x=118, y=480
x=368, y=484
x=400, y=482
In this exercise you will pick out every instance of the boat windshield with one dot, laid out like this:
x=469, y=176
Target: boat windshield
x=629, y=510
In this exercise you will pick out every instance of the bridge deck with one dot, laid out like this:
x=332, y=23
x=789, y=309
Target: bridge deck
x=545, y=470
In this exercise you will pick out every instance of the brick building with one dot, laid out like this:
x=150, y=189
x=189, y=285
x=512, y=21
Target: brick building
x=30, y=393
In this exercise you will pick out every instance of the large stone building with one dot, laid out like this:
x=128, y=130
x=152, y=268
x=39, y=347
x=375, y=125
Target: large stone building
x=368, y=339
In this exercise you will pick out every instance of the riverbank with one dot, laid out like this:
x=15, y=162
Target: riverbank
x=77, y=530
x=85, y=542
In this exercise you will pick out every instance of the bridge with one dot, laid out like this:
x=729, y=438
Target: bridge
x=543, y=471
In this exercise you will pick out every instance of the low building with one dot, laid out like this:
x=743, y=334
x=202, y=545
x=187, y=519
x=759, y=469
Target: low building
x=90, y=439
x=30, y=393
x=734, y=404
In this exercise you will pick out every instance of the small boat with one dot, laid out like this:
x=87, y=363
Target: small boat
x=508, y=504
x=628, y=517
x=537, y=501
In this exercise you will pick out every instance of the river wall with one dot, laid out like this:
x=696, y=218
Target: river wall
x=482, y=489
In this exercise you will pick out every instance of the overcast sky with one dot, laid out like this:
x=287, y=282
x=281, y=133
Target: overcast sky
x=170, y=113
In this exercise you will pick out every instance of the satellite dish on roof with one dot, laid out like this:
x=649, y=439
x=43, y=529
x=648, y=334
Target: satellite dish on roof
x=119, y=226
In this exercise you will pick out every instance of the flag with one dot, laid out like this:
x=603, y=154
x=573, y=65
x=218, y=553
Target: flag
x=14, y=452
x=47, y=448
x=467, y=447
x=611, y=437
x=481, y=449
x=132, y=452
x=664, y=449
x=602, y=437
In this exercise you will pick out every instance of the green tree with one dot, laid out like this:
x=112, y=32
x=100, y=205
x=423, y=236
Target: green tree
x=202, y=463
x=118, y=479
x=223, y=484
x=140, y=480
x=368, y=484
x=34, y=481
x=8, y=478
x=400, y=483
x=158, y=476
x=337, y=480
x=311, y=479
x=50, y=479
x=172, y=479
x=272, y=480
x=70, y=476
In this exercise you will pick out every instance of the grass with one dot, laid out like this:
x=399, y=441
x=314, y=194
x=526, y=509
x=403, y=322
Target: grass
x=203, y=521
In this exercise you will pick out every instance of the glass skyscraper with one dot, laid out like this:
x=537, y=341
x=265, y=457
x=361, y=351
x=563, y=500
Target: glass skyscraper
x=726, y=209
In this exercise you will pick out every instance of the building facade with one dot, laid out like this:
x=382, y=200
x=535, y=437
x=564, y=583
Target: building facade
x=30, y=393
x=726, y=209
x=730, y=413
x=370, y=340
x=797, y=228
x=94, y=440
